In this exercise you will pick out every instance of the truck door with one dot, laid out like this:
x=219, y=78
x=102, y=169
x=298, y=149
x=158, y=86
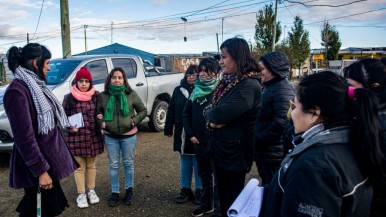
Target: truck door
x=98, y=70
x=137, y=81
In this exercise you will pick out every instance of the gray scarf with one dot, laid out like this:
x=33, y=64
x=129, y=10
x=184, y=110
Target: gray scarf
x=40, y=93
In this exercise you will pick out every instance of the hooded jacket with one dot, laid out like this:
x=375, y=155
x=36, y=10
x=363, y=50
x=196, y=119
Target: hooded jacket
x=272, y=120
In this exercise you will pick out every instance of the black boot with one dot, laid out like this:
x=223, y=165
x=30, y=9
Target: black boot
x=113, y=200
x=128, y=196
x=185, y=195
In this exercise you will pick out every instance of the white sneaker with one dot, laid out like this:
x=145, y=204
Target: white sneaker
x=82, y=201
x=92, y=196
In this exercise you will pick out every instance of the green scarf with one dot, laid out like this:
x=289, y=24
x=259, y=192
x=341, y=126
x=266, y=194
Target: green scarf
x=124, y=106
x=202, y=89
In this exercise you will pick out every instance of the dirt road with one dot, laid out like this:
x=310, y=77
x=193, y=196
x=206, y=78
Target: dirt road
x=156, y=184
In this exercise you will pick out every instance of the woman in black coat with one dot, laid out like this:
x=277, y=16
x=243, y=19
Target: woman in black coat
x=272, y=121
x=232, y=117
x=174, y=120
x=371, y=74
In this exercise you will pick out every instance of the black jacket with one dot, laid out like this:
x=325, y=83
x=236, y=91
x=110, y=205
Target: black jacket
x=320, y=177
x=272, y=121
x=379, y=201
x=174, y=115
x=232, y=146
x=194, y=121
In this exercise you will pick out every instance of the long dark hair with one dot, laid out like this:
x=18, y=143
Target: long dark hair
x=367, y=71
x=125, y=82
x=25, y=56
x=239, y=50
x=329, y=92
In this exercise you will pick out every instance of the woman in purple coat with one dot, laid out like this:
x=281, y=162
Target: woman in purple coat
x=40, y=156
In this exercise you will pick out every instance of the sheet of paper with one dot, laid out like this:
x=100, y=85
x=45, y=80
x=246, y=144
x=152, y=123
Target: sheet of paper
x=76, y=120
x=249, y=201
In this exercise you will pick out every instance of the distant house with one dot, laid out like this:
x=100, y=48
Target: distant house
x=120, y=49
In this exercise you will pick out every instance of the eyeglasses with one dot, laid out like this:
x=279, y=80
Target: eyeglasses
x=191, y=75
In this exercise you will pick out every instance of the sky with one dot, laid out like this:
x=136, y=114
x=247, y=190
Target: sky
x=156, y=26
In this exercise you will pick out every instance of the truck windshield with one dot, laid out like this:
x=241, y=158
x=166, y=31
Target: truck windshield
x=60, y=70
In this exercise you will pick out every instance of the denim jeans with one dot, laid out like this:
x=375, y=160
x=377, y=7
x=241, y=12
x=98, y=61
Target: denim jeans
x=114, y=148
x=188, y=165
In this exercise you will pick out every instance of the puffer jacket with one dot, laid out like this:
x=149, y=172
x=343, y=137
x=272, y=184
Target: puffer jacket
x=273, y=120
x=121, y=124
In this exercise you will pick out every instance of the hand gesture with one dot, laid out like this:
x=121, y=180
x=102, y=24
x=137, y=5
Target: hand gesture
x=194, y=140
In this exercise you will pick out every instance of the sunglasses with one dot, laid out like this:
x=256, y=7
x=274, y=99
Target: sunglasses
x=191, y=75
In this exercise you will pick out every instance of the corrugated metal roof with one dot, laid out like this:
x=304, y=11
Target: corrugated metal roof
x=117, y=48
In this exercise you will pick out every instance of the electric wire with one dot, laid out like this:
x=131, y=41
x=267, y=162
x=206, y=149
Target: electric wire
x=40, y=14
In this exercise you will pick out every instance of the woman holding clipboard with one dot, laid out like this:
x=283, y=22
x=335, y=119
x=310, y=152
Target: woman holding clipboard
x=85, y=141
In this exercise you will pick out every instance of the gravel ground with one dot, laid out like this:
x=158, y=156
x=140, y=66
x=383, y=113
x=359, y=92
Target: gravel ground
x=156, y=183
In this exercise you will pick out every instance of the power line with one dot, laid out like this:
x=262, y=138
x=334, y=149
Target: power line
x=333, y=6
x=313, y=37
x=40, y=14
x=351, y=15
x=213, y=6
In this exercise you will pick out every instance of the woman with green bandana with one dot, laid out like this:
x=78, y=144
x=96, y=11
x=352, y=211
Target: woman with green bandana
x=119, y=110
x=195, y=129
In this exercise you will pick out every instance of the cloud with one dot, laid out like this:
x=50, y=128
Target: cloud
x=12, y=32
x=114, y=1
x=315, y=14
x=160, y=2
x=79, y=12
x=7, y=16
x=23, y=3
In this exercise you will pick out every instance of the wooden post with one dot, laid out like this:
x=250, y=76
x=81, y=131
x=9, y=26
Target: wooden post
x=65, y=27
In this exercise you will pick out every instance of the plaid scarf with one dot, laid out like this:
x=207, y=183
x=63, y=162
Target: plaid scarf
x=40, y=93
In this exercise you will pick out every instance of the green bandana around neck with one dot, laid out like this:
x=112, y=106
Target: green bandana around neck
x=202, y=89
x=124, y=106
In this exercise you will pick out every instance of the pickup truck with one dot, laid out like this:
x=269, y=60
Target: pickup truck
x=154, y=89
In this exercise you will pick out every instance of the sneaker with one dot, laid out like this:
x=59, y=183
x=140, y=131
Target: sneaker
x=197, y=196
x=113, y=200
x=185, y=195
x=81, y=201
x=92, y=196
x=200, y=211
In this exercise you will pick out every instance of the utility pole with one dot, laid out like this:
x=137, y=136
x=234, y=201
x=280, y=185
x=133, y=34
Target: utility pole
x=112, y=32
x=218, y=47
x=222, y=30
x=65, y=28
x=274, y=27
x=85, y=38
x=326, y=34
x=27, y=38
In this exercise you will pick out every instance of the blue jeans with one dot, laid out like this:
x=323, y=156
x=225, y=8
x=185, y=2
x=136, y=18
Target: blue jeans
x=188, y=165
x=114, y=148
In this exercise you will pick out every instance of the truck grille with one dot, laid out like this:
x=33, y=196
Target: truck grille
x=5, y=137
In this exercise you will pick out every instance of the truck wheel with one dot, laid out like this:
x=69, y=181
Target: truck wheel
x=158, y=116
